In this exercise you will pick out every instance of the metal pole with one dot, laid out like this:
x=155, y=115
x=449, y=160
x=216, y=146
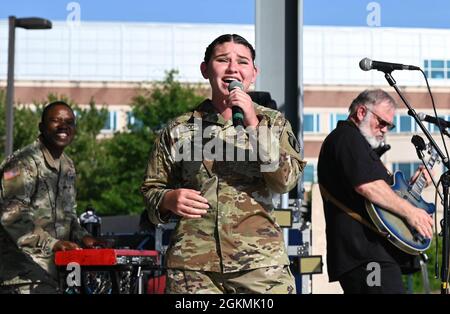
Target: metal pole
x=445, y=234
x=10, y=88
x=292, y=69
x=290, y=84
x=301, y=91
x=291, y=63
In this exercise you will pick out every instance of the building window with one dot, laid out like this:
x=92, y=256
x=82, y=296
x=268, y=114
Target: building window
x=311, y=123
x=404, y=124
x=448, y=68
x=433, y=128
x=309, y=174
x=407, y=124
x=133, y=122
x=335, y=117
x=437, y=69
x=111, y=122
x=408, y=169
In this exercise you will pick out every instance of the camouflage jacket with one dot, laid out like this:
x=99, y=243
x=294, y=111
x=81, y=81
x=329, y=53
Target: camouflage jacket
x=239, y=231
x=37, y=208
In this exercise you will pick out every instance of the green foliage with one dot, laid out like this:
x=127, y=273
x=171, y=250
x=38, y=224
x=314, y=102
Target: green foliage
x=116, y=182
x=87, y=152
x=2, y=123
x=26, y=123
x=26, y=129
x=435, y=283
x=167, y=100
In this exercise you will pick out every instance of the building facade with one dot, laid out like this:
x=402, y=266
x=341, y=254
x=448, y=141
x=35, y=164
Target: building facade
x=109, y=62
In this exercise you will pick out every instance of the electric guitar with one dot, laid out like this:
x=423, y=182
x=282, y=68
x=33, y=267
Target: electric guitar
x=399, y=232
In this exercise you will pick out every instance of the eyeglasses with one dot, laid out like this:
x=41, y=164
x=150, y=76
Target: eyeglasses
x=381, y=122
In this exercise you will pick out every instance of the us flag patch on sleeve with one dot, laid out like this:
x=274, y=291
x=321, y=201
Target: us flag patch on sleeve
x=11, y=173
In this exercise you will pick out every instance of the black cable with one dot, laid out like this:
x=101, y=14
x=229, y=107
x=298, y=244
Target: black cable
x=446, y=163
x=436, y=235
x=436, y=115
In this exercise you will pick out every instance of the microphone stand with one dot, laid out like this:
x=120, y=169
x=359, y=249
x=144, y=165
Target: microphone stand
x=445, y=179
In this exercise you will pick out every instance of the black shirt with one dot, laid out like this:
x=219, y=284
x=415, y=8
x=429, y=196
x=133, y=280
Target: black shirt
x=346, y=161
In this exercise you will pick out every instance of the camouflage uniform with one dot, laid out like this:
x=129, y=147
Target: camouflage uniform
x=37, y=209
x=273, y=280
x=239, y=232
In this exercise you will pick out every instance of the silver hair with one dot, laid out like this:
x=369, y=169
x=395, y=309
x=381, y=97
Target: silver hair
x=370, y=98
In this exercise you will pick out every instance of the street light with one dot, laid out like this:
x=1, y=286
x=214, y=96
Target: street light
x=27, y=23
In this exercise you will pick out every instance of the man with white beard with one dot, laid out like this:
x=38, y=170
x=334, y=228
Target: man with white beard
x=350, y=172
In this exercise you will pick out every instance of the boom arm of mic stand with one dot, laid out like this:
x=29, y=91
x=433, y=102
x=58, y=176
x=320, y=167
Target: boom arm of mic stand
x=413, y=113
x=445, y=188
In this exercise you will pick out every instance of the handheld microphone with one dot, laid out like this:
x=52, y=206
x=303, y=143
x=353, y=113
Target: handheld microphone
x=431, y=119
x=387, y=67
x=237, y=112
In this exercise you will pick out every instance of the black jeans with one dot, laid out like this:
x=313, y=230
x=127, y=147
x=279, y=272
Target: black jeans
x=360, y=280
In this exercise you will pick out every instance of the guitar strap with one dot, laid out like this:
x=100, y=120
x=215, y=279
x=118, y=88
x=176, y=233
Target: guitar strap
x=330, y=198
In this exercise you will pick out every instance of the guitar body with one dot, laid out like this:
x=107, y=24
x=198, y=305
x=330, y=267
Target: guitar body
x=400, y=233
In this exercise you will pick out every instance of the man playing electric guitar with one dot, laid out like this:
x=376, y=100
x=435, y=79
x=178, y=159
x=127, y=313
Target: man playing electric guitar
x=350, y=173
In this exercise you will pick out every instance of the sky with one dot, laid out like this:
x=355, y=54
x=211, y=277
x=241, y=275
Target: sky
x=170, y=11
x=393, y=13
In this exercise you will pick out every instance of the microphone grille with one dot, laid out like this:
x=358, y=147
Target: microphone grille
x=365, y=64
x=421, y=116
x=235, y=84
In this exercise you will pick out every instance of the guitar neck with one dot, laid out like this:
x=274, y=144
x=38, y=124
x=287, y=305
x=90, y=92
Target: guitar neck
x=420, y=183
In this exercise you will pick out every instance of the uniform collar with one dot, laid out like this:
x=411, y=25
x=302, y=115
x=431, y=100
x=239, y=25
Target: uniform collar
x=53, y=163
x=207, y=112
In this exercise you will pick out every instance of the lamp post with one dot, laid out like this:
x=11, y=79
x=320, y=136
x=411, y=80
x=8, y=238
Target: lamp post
x=27, y=23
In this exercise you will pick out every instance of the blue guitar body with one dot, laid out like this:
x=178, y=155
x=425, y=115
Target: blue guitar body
x=400, y=233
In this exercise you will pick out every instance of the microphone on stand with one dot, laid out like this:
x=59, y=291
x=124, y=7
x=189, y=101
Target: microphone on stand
x=367, y=64
x=237, y=112
x=424, y=117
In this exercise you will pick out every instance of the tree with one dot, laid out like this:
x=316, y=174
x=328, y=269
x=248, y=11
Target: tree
x=167, y=100
x=115, y=183
x=2, y=123
x=88, y=152
x=24, y=131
